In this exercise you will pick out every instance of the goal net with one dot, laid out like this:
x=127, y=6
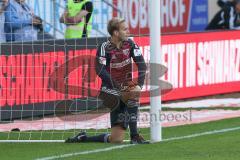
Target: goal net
x=49, y=88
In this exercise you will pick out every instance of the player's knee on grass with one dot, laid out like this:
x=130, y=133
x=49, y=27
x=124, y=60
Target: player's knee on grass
x=116, y=140
x=117, y=135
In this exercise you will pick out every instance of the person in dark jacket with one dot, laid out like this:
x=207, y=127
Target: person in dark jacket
x=227, y=18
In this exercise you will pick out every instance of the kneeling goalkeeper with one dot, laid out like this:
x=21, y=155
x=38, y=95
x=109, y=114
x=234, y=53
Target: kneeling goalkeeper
x=119, y=92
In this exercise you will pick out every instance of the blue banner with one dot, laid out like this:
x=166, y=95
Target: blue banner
x=198, y=15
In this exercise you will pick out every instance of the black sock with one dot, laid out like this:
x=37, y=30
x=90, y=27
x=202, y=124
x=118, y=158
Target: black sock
x=98, y=138
x=133, y=117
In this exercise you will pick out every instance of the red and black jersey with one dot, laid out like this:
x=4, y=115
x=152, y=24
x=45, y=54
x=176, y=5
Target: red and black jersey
x=114, y=65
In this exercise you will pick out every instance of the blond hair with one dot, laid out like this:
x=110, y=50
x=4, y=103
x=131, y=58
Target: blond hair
x=114, y=24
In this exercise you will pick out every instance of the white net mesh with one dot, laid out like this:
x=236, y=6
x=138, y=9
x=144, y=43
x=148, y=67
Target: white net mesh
x=49, y=87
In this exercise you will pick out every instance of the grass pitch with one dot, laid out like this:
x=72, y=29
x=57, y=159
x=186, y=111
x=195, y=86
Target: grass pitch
x=212, y=146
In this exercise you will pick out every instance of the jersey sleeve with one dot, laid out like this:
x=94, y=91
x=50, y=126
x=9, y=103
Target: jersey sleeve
x=137, y=56
x=101, y=63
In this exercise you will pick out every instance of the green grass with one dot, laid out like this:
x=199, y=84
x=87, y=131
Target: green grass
x=221, y=146
x=195, y=109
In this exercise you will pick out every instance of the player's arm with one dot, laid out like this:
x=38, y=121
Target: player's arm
x=101, y=62
x=140, y=62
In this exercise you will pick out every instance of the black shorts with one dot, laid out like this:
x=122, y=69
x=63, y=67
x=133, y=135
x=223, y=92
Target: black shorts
x=118, y=114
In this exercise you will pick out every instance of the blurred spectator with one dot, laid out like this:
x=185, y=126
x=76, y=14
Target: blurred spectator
x=227, y=18
x=3, y=4
x=20, y=22
x=78, y=18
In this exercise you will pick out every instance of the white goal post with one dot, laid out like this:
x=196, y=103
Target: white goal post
x=155, y=58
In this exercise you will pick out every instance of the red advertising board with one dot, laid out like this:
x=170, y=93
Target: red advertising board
x=175, y=15
x=199, y=64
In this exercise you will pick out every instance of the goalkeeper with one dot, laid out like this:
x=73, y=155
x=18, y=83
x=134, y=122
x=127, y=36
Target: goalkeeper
x=118, y=91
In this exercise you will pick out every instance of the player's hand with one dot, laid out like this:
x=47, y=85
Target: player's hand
x=131, y=91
